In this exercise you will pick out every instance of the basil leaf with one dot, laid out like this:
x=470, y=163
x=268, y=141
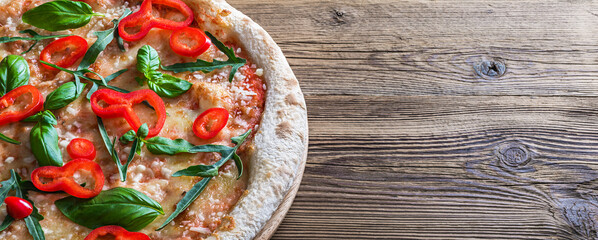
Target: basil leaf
x=34, y=37
x=6, y=223
x=104, y=38
x=142, y=131
x=204, y=66
x=59, y=15
x=124, y=207
x=63, y=95
x=45, y=116
x=14, y=72
x=110, y=147
x=44, y=143
x=147, y=59
x=187, y=200
x=8, y=140
x=198, y=170
x=162, y=145
x=128, y=137
x=168, y=86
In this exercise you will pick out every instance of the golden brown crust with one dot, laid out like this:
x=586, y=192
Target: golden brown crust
x=281, y=142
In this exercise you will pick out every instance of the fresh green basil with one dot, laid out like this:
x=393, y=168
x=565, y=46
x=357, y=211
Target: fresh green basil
x=63, y=95
x=60, y=15
x=14, y=72
x=206, y=67
x=104, y=38
x=128, y=137
x=35, y=37
x=169, y=86
x=44, y=141
x=147, y=59
x=165, y=85
x=32, y=221
x=186, y=201
x=162, y=145
x=124, y=207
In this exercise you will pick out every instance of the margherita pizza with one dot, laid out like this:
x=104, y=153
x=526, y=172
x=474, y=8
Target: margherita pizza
x=143, y=119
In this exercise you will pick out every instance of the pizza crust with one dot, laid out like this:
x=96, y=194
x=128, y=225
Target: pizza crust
x=281, y=140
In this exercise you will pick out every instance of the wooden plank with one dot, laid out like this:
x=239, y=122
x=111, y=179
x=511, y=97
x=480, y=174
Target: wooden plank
x=431, y=47
x=423, y=167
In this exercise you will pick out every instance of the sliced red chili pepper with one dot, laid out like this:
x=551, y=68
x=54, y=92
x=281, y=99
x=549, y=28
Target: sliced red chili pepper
x=121, y=105
x=209, y=123
x=36, y=104
x=17, y=207
x=81, y=148
x=67, y=49
x=118, y=232
x=144, y=20
x=53, y=179
x=189, y=42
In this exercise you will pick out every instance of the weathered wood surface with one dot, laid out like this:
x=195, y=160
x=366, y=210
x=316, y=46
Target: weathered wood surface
x=443, y=119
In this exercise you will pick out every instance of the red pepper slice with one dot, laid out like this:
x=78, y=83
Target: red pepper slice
x=81, y=148
x=118, y=232
x=144, y=20
x=36, y=104
x=67, y=49
x=209, y=123
x=17, y=207
x=189, y=42
x=121, y=105
x=53, y=179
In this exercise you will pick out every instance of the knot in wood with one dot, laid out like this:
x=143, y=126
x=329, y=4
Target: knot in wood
x=338, y=16
x=513, y=154
x=494, y=68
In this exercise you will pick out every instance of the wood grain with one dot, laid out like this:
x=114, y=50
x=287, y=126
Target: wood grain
x=443, y=119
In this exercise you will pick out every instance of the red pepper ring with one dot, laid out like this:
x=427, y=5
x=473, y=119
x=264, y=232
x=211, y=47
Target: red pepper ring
x=121, y=105
x=75, y=45
x=61, y=178
x=36, y=104
x=145, y=20
x=118, y=232
x=209, y=123
x=199, y=42
x=81, y=148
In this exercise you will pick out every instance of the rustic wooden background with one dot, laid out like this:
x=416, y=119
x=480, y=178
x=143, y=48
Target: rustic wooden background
x=443, y=119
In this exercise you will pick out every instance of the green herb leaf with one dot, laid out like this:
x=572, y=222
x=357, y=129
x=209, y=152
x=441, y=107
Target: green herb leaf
x=206, y=67
x=110, y=147
x=198, y=170
x=104, y=38
x=44, y=141
x=59, y=15
x=162, y=145
x=6, y=223
x=34, y=37
x=143, y=131
x=63, y=95
x=35, y=229
x=8, y=140
x=168, y=86
x=127, y=137
x=147, y=59
x=44, y=116
x=187, y=200
x=124, y=207
x=110, y=77
x=7, y=186
x=14, y=72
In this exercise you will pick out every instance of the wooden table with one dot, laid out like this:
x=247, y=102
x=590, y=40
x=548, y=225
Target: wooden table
x=443, y=119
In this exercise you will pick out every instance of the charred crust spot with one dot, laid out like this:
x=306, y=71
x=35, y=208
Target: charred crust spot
x=284, y=129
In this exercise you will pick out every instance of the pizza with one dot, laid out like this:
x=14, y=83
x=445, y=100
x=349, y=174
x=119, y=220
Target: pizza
x=143, y=119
